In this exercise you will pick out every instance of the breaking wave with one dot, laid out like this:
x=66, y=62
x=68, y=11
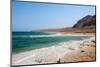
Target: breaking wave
x=36, y=36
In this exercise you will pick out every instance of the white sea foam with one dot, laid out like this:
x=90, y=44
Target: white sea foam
x=35, y=36
x=50, y=35
x=46, y=55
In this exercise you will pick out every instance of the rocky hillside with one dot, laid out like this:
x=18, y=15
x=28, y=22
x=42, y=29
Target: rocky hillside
x=86, y=22
x=85, y=25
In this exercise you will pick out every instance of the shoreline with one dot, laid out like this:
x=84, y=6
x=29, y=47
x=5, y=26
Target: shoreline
x=51, y=54
x=72, y=34
x=58, y=34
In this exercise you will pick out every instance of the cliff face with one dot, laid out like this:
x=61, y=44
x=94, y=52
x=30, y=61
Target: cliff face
x=86, y=22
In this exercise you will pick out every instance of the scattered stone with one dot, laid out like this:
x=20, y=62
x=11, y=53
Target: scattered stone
x=58, y=61
x=93, y=41
x=77, y=56
x=82, y=51
x=71, y=48
x=38, y=60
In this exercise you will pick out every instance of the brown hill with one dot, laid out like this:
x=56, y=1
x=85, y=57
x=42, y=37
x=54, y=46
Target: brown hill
x=86, y=22
x=85, y=25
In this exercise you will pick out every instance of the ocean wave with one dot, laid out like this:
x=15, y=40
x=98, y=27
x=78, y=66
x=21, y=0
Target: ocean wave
x=36, y=36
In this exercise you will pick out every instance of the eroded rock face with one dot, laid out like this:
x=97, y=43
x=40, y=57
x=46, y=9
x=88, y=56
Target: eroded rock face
x=86, y=22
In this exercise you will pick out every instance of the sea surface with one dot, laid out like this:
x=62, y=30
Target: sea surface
x=25, y=41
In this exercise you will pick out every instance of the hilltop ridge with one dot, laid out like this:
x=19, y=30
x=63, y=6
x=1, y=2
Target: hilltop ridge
x=86, y=24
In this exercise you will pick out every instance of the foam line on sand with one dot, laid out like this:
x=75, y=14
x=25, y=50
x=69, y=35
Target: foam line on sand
x=54, y=54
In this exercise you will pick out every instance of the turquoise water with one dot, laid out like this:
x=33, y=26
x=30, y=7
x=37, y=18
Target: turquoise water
x=25, y=41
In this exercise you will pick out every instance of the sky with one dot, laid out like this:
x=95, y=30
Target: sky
x=28, y=16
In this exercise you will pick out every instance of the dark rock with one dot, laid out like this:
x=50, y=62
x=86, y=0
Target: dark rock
x=58, y=61
x=82, y=51
x=86, y=22
x=93, y=41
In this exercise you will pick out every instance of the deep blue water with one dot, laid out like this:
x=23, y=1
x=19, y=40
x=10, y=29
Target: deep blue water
x=24, y=41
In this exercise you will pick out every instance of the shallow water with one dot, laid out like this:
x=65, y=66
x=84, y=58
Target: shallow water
x=25, y=41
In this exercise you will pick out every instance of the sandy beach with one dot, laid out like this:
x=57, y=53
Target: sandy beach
x=71, y=51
